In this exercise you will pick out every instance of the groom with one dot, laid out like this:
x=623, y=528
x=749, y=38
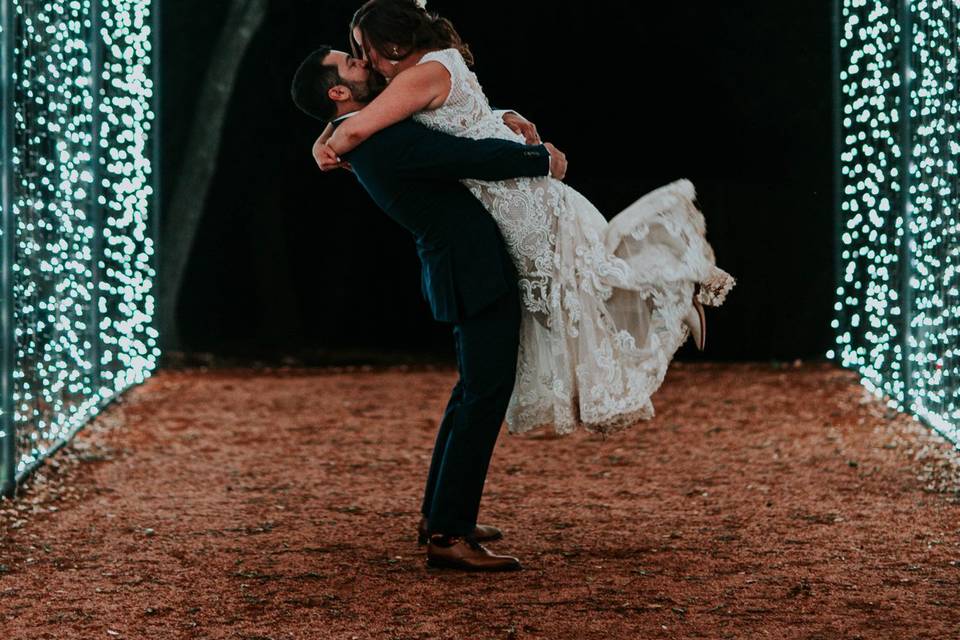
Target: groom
x=413, y=173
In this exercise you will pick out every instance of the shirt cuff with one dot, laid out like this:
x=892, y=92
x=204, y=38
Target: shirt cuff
x=546, y=155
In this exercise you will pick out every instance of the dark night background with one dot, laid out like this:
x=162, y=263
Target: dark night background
x=734, y=96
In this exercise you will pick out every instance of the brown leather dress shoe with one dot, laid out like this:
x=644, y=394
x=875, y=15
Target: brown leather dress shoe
x=482, y=532
x=464, y=552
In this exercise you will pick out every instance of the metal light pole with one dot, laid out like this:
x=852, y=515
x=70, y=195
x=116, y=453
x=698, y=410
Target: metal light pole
x=8, y=427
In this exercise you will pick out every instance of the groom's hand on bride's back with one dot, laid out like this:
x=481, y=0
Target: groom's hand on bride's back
x=558, y=161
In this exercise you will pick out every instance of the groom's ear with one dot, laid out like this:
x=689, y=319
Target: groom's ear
x=339, y=93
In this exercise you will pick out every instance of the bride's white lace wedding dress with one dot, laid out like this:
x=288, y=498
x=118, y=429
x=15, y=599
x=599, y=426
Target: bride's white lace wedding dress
x=603, y=302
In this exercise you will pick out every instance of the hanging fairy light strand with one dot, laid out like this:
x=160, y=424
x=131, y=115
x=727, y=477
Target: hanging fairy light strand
x=129, y=341
x=82, y=267
x=934, y=219
x=897, y=302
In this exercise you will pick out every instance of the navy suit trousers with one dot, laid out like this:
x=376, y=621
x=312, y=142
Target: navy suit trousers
x=486, y=347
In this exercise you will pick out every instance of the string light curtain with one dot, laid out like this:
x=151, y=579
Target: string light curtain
x=898, y=228
x=78, y=258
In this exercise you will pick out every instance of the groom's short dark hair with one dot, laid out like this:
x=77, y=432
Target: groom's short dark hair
x=312, y=83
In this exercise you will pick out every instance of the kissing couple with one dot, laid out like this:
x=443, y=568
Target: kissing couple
x=560, y=318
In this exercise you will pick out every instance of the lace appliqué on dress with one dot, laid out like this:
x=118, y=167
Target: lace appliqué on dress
x=603, y=302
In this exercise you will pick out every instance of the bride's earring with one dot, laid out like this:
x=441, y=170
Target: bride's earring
x=396, y=52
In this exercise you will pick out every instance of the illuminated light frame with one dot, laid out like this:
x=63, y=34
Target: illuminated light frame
x=78, y=221
x=897, y=134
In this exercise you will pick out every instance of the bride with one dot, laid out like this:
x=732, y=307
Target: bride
x=606, y=305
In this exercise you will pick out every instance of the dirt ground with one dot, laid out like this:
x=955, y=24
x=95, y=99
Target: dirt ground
x=762, y=501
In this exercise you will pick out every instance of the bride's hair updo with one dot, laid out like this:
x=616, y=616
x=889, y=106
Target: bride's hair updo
x=394, y=28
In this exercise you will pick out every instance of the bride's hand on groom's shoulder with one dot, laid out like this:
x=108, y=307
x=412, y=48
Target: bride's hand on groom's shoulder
x=558, y=161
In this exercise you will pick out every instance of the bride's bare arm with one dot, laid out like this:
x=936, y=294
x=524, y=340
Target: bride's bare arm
x=327, y=132
x=423, y=86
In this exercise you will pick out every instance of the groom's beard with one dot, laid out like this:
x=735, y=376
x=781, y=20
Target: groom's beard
x=366, y=91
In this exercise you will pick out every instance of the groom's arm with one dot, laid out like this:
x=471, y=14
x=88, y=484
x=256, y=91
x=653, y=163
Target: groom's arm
x=432, y=154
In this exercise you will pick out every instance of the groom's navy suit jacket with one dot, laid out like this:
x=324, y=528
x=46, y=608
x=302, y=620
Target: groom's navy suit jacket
x=412, y=173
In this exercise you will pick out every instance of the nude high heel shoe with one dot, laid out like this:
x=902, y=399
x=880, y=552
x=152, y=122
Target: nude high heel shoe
x=697, y=322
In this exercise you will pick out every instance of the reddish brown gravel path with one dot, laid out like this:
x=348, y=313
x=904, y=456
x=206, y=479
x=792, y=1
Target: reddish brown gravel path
x=761, y=502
